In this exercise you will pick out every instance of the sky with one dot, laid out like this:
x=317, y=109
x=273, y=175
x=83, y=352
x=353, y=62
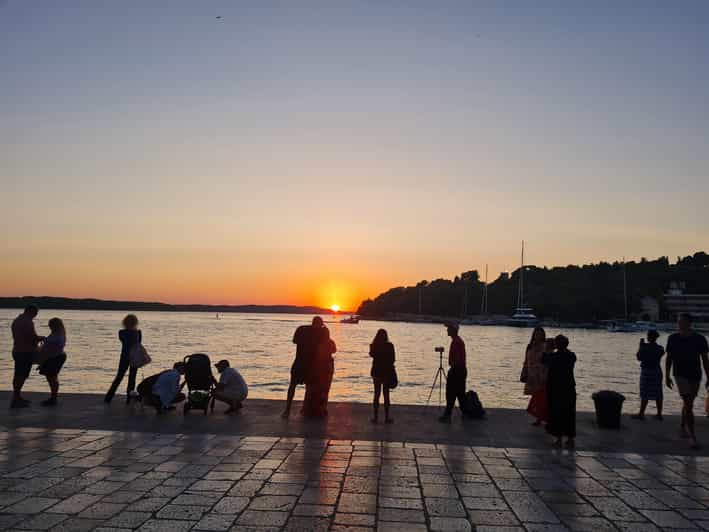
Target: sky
x=322, y=152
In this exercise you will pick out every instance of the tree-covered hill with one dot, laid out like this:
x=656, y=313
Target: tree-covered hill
x=571, y=293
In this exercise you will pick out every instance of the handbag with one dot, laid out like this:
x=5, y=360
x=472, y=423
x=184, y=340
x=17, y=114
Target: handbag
x=138, y=356
x=394, y=379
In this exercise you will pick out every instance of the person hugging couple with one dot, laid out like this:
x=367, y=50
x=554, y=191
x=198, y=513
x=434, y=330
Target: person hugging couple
x=314, y=366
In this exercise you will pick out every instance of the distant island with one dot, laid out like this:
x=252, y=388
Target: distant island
x=66, y=303
x=588, y=293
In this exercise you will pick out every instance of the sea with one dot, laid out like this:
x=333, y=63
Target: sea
x=260, y=347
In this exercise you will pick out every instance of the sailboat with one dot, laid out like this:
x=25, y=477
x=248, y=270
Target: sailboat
x=524, y=315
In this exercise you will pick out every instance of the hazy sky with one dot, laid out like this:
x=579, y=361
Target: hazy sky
x=320, y=152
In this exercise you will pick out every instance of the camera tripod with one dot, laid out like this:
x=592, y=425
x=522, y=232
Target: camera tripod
x=439, y=378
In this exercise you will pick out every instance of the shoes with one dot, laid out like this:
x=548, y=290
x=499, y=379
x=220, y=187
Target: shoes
x=52, y=401
x=659, y=417
x=20, y=403
x=641, y=417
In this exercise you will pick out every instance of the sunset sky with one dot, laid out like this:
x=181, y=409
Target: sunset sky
x=321, y=152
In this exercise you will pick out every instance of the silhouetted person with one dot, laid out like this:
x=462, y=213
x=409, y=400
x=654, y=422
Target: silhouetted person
x=535, y=372
x=25, y=341
x=166, y=389
x=686, y=353
x=129, y=336
x=305, y=340
x=561, y=392
x=457, y=374
x=231, y=388
x=52, y=358
x=318, y=378
x=383, y=373
x=650, y=354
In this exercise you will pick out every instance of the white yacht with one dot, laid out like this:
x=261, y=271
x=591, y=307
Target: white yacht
x=524, y=315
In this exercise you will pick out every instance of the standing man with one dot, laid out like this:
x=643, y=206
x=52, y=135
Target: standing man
x=306, y=342
x=25, y=343
x=687, y=351
x=457, y=374
x=231, y=388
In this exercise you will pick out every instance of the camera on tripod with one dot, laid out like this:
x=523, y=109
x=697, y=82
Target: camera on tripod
x=440, y=349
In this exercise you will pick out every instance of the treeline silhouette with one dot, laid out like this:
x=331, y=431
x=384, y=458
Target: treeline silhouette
x=65, y=303
x=571, y=293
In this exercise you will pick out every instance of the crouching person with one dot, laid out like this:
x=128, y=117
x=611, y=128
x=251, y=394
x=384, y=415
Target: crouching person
x=231, y=388
x=166, y=389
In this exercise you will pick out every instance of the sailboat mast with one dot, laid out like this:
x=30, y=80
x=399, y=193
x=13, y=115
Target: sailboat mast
x=625, y=290
x=520, y=293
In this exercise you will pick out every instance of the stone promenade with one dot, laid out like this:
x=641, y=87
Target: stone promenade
x=70, y=478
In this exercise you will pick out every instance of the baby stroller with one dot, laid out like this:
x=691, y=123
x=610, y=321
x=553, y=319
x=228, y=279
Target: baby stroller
x=200, y=382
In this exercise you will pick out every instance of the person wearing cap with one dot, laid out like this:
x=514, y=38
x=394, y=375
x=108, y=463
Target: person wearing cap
x=650, y=354
x=231, y=388
x=457, y=374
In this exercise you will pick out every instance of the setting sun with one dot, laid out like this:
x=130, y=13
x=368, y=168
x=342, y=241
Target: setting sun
x=335, y=308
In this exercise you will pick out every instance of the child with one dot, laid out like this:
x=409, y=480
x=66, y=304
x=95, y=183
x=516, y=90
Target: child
x=650, y=354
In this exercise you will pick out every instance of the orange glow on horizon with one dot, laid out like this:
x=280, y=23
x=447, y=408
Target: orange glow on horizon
x=335, y=308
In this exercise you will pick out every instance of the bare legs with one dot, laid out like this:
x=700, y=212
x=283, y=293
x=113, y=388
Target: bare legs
x=643, y=406
x=53, y=381
x=289, y=399
x=688, y=420
x=378, y=386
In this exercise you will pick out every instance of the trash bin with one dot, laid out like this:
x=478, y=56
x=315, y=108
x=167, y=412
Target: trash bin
x=609, y=405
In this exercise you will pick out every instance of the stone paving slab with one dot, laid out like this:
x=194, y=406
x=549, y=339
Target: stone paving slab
x=503, y=428
x=109, y=480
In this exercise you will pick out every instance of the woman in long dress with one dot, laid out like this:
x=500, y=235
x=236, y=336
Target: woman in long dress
x=535, y=373
x=319, y=376
x=382, y=352
x=561, y=392
x=650, y=354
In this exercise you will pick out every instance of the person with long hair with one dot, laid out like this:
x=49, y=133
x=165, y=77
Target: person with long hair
x=52, y=358
x=129, y=336
x=383, y=373
x=561, y=392
x=319, y=375
x=534, y=376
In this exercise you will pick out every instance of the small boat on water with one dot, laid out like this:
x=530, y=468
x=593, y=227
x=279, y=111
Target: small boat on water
x=352, y=319
x=523, y=317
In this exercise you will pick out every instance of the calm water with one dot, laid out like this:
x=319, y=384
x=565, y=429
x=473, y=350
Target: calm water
x=260, y=347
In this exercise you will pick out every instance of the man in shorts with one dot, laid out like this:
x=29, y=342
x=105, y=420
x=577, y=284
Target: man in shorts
x=305, y=340
x=25, y=342
x=231, y=388
x=687, y=352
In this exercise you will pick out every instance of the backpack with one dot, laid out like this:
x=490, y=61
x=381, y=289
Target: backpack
x=145, y=388
x=473, y=407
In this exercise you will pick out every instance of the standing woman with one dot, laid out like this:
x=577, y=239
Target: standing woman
x=561, y=392
x=52, y=358
x=535, y=376
x=650, y=354
x=129, y=336
x=382, y=352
